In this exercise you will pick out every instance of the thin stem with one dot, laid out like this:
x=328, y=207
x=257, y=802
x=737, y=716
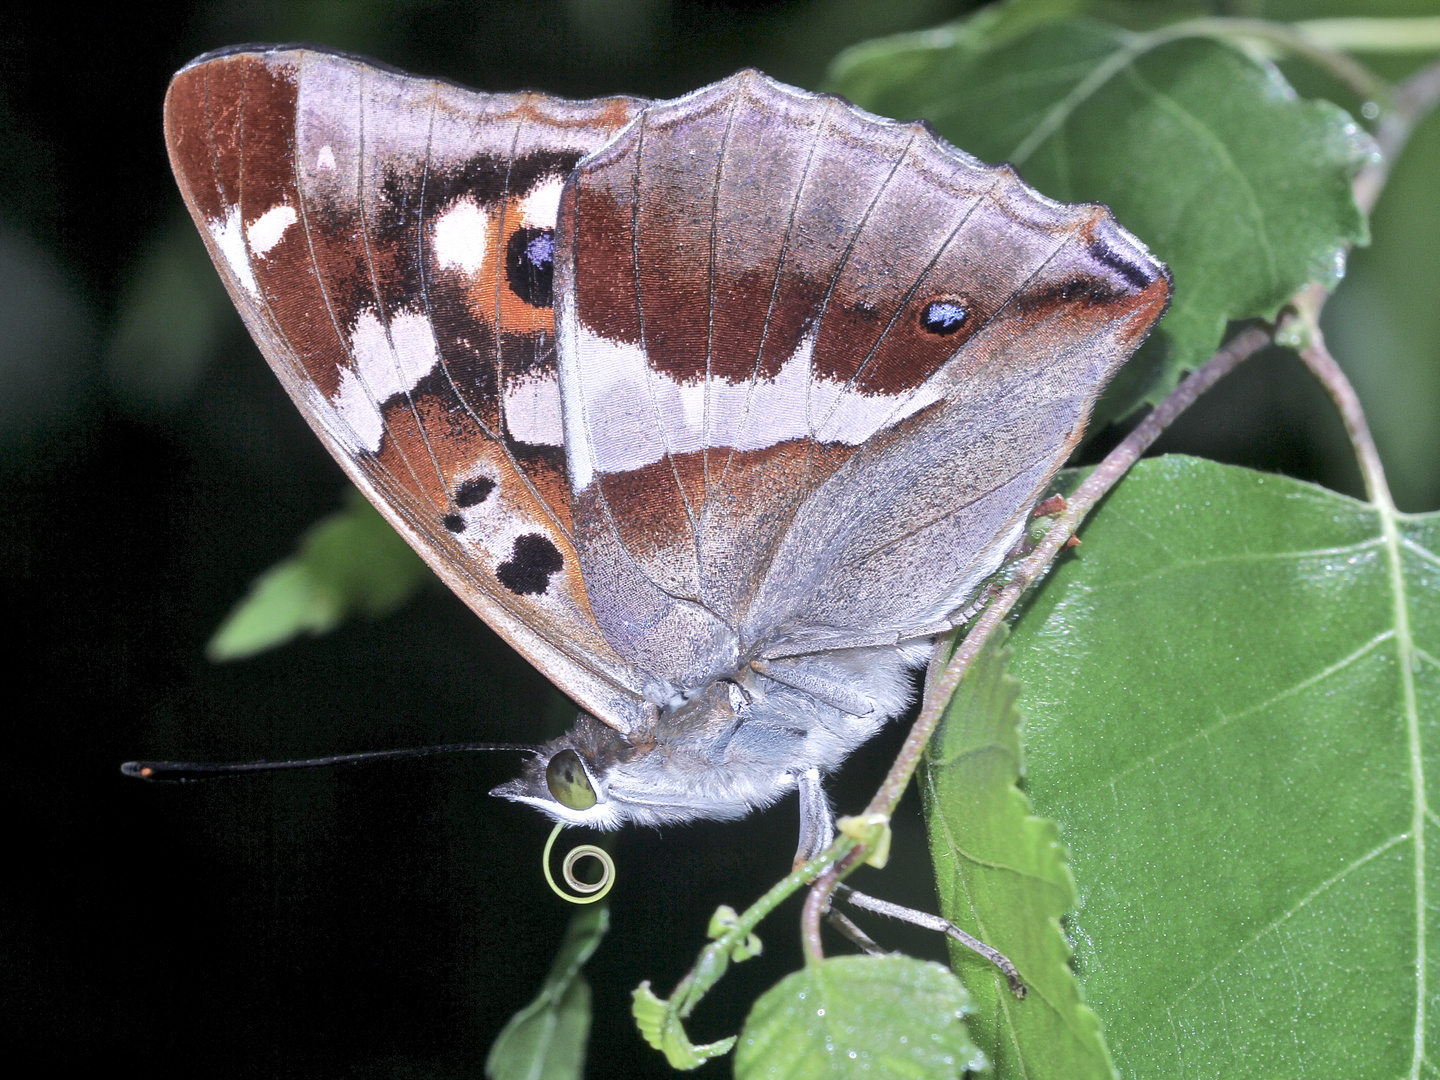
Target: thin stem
x=1293, y=39
x=1316, y=356
x=1033, y=566
x=1026, y=572
x=1411, y=102
x=1386, y=34
x=817, y=902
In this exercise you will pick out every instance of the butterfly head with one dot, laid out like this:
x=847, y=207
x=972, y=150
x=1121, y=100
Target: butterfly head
x=735, y=745
x=597, y=777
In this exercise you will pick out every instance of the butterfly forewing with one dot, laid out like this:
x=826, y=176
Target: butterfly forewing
x=389, y=243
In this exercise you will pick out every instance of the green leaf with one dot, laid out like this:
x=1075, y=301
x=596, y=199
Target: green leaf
x=661, y=1027
x=1001, y=876
x=1201, y=150
x=349, y=563
x=1232, y=703
x=859, y=1016
x=546, y=1039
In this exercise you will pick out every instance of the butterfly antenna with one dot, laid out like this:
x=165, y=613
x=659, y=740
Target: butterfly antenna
x=179, y=772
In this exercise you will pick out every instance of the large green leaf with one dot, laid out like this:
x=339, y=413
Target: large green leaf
x=880, y=1017
x=1232, y=705
x=546, y=1039
x=350, y=563
x=1001, y=875
x=1201, y=150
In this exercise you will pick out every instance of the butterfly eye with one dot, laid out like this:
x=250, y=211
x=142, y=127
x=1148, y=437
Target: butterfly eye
x=943, y=317
x=566, y=779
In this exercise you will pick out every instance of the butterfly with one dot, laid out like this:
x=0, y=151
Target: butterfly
x=718, y=409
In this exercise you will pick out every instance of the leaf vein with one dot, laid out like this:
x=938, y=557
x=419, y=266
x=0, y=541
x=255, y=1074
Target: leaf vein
x=1205, y=732
x=1304, y=902
x=1420, y=550
x=1206, y=137
x=1262, y=557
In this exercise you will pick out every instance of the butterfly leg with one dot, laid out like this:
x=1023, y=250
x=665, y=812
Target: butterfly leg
x=929, y=922
x=817, y=824
x=853, y=933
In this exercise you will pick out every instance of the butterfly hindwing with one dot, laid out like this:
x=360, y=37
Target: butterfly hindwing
x=816, y=368
x=389, y=241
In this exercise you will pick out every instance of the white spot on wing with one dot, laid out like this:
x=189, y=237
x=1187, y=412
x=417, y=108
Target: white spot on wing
x=542, y=205
x=266, y=230
x=386, y=365
x=532, y=410
x=228, y=239
x=461, y=235
x=357, y=408
x=325, y=160
x=633, y=415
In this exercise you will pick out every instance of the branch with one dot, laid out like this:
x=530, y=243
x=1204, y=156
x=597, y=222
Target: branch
x=1410, y=103
x=1029, y=570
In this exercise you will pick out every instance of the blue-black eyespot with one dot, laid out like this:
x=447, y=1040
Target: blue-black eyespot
x=530, y=265
x=943, y=317
x=568, y=782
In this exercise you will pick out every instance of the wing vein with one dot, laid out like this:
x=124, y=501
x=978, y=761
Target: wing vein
x=710, y=289
x=640, y=318
x=495, y=437
x=379, y=466
x=835, y=280
x=775, y=285
x=905, y=303
x=384, y=317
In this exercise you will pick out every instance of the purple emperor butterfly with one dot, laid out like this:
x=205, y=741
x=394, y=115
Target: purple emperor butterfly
x=717, y=409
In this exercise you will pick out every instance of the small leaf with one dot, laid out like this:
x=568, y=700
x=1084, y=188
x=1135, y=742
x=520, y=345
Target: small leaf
x=1232, y=708
x=351, y=562
x=874, y=831
x=877, y=1017
x=662, y=1029
x=546, y=1039
x=1001, y=876
x=722, y=922
x=1201, y=150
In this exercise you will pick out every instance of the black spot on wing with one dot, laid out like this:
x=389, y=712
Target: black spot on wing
x=454, y=522
x=485, y=178
x=530, y=265
x=1105, y=256
x=532, y=561
x=474, y=491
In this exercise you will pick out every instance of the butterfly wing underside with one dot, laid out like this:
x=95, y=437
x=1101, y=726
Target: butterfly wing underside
x=388, y=241
x=817, y=366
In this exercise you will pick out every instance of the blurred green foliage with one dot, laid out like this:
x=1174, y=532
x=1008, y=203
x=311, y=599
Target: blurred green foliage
x=546, y=1039
x=350, y=563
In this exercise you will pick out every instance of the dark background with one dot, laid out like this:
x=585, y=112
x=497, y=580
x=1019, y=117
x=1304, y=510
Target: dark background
x=385, y=920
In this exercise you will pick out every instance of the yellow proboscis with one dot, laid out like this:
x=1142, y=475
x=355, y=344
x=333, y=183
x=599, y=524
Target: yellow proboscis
x=599, y=889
